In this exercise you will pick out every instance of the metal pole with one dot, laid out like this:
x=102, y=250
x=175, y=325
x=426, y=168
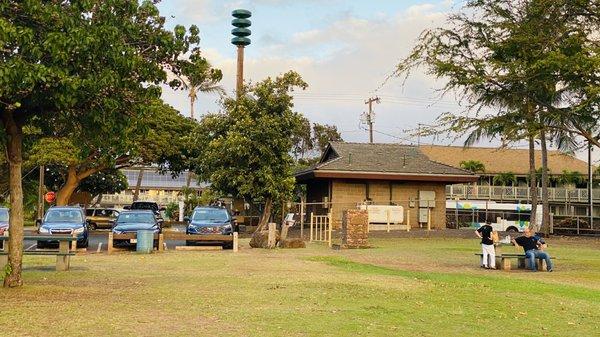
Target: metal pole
x=240, y=70
x=40, y=210
x=590, y=186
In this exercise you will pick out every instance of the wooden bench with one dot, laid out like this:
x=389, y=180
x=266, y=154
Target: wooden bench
x=63, y=254
x=175, y=236
x=522, y=263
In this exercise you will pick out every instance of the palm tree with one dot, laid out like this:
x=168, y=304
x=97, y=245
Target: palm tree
x=569, y=179
x=473, y=166
x=503, y=179
x=198, y=75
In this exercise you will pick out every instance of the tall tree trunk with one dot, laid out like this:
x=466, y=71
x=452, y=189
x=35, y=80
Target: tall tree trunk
x=138, y=185
x=64, y=194
x=14, y=143
x=192, y=100
x=532, y=184
x=545, y=204
x=264, y=218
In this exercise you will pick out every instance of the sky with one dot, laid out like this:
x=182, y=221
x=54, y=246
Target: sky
x=345, y=51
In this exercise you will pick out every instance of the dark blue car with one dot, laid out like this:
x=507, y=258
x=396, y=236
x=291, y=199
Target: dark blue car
x=64, y=221
x=133, y=221
x=210, y=220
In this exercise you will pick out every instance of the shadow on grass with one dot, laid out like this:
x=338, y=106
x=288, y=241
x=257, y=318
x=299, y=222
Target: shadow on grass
x=51, y=268
x=465, y=280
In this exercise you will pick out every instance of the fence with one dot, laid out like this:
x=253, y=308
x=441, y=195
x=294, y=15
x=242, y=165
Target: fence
x=385, y=218
x=320, y=228
x=517, y=193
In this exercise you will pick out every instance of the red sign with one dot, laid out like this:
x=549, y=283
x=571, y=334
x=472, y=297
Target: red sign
x=50, y=197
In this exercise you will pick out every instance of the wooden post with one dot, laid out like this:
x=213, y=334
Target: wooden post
x=74, y=244
x=161, y=242
x=311, y=226
x=236, y=242
x=63, y=260
x=408, y=220
x=330, y=225
x=302, y=219
x=272, y=240
x=388, y=220
x=428, y=219
x=109, y=246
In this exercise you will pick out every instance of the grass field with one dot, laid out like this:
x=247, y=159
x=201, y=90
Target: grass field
x=402, y=287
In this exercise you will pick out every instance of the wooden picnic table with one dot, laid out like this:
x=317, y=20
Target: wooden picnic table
x=63, y=254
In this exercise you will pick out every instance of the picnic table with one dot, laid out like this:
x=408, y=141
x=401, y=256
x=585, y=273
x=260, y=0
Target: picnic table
x=63, y=253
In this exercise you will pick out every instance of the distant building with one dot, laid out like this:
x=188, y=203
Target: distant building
x=349, y=174
x=570, y=199
x=153, y=186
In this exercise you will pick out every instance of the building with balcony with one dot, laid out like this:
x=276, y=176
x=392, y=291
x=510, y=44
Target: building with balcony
x=564, y=198
x=153, y=186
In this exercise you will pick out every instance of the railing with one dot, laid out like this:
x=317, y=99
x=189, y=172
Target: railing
x=125, y=199
x=517, y=193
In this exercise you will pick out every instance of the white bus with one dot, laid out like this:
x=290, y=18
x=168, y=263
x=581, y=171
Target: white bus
x=502, y=216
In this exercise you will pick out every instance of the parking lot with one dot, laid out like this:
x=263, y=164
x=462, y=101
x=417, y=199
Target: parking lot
x=98, y=240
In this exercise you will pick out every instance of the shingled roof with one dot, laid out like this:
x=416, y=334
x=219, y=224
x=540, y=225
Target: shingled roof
x=382, y=161
x=502, y=160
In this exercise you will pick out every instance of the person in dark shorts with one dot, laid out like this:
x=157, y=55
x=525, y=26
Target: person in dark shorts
x=532, y=245
x=487, y=246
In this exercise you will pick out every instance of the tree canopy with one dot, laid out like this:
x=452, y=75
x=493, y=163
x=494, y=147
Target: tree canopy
x=248, y=145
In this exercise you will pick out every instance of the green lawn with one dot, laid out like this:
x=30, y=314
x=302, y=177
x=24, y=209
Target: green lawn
x=402, y=287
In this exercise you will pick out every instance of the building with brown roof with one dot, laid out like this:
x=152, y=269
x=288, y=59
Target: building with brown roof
x=350, y=174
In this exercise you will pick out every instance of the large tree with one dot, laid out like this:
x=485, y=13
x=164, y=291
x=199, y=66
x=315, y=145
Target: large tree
x=516, y=62
x=82, y=65
x=248, y=145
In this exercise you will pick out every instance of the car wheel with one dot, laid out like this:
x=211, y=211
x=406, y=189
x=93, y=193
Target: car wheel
x=41, y=244
x=512, y=230
x=85, y=244
x=93, y=226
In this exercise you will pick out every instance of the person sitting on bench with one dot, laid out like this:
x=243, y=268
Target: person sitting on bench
x=532, y=245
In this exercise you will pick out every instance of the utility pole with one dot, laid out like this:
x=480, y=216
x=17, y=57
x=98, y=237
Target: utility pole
x=369, y=115
x=241, y=40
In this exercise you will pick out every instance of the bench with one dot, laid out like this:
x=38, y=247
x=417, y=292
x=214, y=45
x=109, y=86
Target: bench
x=522, y=263
x=63, y=254
x=503, y=261
x=175, y=236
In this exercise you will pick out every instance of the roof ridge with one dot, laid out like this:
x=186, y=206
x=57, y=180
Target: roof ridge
x=492, y=148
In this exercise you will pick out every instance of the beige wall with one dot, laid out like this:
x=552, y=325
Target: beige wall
x=346, y=194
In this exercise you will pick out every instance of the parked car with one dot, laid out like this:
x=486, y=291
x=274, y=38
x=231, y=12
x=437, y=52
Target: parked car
x=3, y=223
x=210, y=220
x=146, y=205
x=101, y=217
x=3, y=220
x=63, y=220
x=133, y=221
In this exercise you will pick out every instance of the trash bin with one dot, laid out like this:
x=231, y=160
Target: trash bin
x=145, y=241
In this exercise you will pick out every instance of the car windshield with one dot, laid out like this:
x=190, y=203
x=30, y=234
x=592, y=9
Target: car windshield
x=136, y=218
x=3, y=215
x=145, y=205
x=64, y=215
x=210, y=214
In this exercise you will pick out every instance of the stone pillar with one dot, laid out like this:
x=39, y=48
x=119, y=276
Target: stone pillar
x=355, y=227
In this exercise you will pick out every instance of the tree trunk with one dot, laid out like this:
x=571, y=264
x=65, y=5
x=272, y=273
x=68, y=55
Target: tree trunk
x=545, y=204
x=264, y=218
x=532, y=184
x=64, y=194
x=192, y=100
x=14, y=143
x=138, y=185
